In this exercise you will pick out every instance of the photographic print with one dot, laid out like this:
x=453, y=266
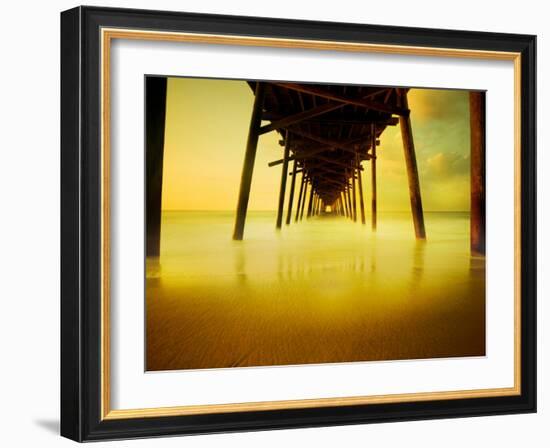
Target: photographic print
x=270, y=223
x=294, y=223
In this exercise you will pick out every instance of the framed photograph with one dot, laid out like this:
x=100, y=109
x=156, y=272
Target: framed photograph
x=276, y=224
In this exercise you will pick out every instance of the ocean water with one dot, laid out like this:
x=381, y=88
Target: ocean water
x=323, y=290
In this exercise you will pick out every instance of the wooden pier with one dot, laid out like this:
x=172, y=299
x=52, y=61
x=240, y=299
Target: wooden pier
x=329, y=135
x=329, y=132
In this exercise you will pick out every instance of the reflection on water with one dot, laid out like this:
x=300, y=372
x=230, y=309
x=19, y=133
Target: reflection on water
x=324, y=290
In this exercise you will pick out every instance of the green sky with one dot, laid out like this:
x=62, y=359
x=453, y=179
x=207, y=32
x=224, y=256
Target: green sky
x=206, y=129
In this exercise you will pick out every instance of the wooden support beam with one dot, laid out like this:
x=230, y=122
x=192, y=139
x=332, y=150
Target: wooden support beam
x=301, y=116
x=248, y=165
x=354, y=195
x=324, y=93
x=279, y=162
x=279, y=122
x=333, y=161
x=361, y=201
x=291, y=195
x=345, y=205
x=324, y=180
x=304, y=200
x=351, y=120
x=374, y=205
x=301, y=155
x=284, y=176
x=322, y=164
x=477, y=173
x=412, y=171
x=350, y=209
x=298, y=206
x=316, y=205
x=155, y=120
x=346, y=145
x=310, y=204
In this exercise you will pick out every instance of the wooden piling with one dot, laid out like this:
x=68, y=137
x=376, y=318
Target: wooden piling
x=304, y=200
x=350, y=210
x=374, y=204
x=248, y=165
x=298, y=206
x=477, y=173
x=284, y=176
x=155, y=120
x=354, y=188
x=412, y=170
x=344, y=203
x=310, y=204
x=317, y=205
x=360, y=184
x=291, y=195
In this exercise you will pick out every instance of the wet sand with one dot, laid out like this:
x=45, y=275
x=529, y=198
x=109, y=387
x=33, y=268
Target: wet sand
x=322, y=291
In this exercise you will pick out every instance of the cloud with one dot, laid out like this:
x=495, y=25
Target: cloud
x=444, y=105
x=445, y=165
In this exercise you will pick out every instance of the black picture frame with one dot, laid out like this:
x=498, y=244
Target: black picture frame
x=81, y=226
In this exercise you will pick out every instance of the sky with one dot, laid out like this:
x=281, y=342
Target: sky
x=207, y=125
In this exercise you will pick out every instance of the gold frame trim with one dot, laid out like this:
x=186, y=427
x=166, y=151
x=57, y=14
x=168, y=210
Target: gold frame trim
x=107, y=35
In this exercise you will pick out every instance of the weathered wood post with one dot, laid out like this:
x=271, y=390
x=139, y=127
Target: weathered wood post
x=304, y=199
x=316, y=205
x=477, y=172
x=282, y=189
x=374, y=204
x=344, y=203
x=350, y=210
x=412, y=169
x=291, y=196
x=317, y=202
x=354, y=189
x=249, y=157
x=310, y=204
x=298, y=206
x=155, y=120
x=360, y=184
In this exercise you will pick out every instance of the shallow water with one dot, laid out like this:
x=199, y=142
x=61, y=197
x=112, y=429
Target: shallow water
x=319, y=291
